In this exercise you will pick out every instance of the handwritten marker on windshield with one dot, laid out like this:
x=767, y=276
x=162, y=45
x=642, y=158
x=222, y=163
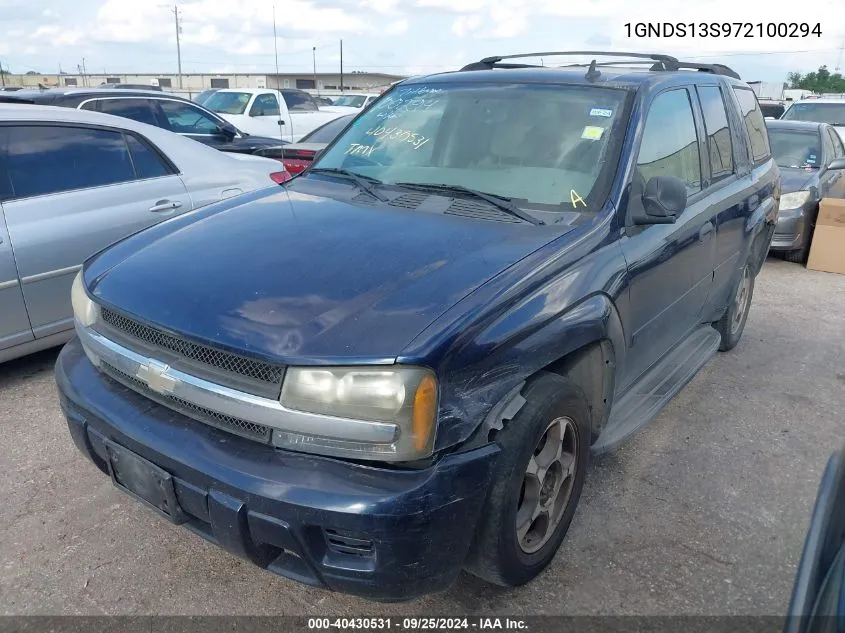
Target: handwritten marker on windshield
x=575, y=198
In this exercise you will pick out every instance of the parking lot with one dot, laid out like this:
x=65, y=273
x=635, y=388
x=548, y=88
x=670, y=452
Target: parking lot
x=704, y=512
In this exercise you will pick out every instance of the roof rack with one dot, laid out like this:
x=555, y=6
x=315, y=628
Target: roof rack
x=662, y=62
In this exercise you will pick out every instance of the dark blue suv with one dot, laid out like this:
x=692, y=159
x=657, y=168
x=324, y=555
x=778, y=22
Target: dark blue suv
x=397, y=365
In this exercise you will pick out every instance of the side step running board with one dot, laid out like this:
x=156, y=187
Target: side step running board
x=645, y=398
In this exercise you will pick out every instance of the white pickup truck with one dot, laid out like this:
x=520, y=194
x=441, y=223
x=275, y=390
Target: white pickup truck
x=286, y=114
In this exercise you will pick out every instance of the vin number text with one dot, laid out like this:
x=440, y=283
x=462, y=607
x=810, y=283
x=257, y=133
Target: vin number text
x=722, y=29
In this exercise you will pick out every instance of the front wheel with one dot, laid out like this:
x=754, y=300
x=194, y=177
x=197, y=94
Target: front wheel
x=732, y=323
x=536, y=483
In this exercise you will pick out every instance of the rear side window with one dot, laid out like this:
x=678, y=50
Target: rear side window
x=718, y=133
x=5, y=179
x=299, y=101
x=754, y=124
x=148, y=164
x=670, y=143
x=141, y=110
x=186, y=118
x=49, y=159
x=773, y=110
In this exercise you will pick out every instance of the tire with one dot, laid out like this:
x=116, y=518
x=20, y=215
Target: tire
x=799, y=255
x=732, y=323
x=500, y=554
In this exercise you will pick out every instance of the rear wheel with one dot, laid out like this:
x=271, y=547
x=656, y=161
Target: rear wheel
x=732, y=323
x=536, y=483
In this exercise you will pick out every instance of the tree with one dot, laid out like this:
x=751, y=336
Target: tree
x=820, y=80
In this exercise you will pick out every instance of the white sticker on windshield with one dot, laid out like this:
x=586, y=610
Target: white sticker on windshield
x=601, y=112
x=592, y=132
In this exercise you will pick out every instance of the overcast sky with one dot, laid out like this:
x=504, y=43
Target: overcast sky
x=393, y=36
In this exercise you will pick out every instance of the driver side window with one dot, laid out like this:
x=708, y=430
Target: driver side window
x=669, y=145
x=265, y=105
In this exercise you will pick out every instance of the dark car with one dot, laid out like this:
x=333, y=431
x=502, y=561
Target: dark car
x=162, y=110
x=299, y=156
x=772, y=109
x=397, y=365
x=817, y=604
x=155, y=87
x=811, y=157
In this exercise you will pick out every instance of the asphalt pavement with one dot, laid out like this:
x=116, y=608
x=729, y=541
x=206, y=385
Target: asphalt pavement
x=704, y=512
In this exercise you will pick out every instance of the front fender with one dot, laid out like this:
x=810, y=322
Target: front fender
x=504, y=360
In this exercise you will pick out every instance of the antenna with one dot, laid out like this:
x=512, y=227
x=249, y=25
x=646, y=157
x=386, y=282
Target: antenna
x=276, y=46
x=278, y=92
x=178, y=43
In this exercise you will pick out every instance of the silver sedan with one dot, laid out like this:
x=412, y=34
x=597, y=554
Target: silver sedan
x=73, y=182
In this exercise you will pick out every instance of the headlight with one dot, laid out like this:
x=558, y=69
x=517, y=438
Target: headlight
x=85, y=311
x=794, y=200
x=404, y=396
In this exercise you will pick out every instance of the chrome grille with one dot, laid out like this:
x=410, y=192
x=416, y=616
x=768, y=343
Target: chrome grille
x=226, y=361
x=250, y=430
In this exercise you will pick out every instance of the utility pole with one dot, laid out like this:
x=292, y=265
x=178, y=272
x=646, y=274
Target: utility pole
x=841, y=49
x=178, y=43
x=341, y=65
x=2, y=76
x=314, y=60
x=84, y=73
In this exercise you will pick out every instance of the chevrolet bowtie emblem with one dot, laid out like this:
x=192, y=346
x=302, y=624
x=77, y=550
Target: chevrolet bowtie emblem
x=154, y=375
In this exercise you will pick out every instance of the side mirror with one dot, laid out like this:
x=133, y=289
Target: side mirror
x=817, y=603
x=836, y=163
x=228, y=130
x=664, y=199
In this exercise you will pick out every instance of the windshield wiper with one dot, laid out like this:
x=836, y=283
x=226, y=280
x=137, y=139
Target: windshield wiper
x=500, y=202
x=365, y=183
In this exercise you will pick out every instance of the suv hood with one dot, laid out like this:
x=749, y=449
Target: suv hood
x=296, y=277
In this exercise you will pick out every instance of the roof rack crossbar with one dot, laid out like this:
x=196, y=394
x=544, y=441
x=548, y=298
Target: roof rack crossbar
x=653, y=56
x=662, y=62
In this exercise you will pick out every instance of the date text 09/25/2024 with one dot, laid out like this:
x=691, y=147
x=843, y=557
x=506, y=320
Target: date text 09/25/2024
x=723, y=29
x=416, y=624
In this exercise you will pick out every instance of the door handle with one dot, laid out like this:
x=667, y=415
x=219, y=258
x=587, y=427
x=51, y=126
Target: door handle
x=705, y=231
x=165, y=205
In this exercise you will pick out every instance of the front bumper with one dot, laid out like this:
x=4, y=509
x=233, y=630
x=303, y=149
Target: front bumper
x=791, y=229
x=385, y=534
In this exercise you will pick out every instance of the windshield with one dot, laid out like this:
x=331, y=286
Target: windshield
x=202, y=97
x=832, y=113
x=228, y=102
x=795, y=149
x=538, y=144
x=351, y=101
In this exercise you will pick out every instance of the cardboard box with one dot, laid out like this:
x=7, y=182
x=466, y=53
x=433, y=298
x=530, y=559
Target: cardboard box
x=827, y=252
